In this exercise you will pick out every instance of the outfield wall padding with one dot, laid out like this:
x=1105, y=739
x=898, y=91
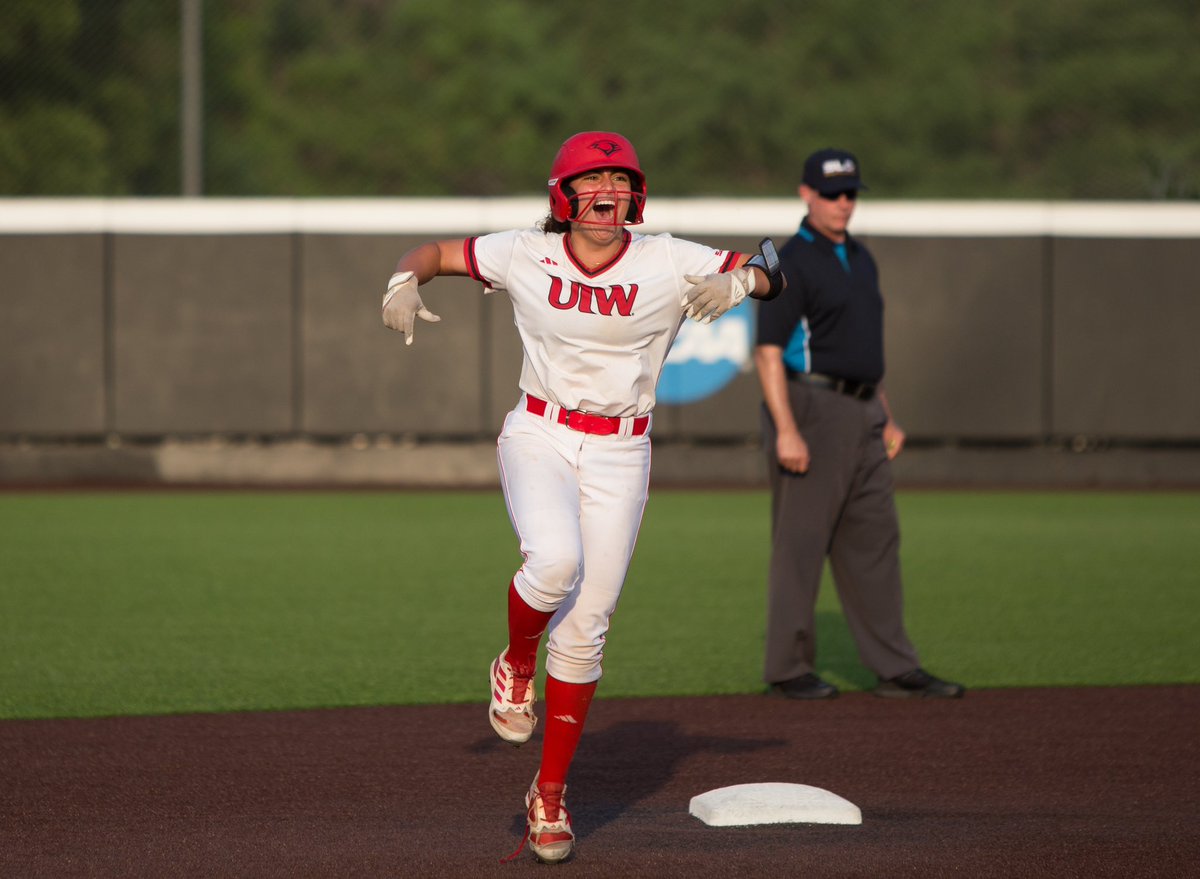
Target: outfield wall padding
x=1124, y=323
x=54, y=334
x=203, y=329
x=134, y=331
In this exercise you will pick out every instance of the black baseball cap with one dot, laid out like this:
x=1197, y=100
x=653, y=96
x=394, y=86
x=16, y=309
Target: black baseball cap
x=831, y=170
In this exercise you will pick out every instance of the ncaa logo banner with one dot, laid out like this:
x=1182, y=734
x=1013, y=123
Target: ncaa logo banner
x=706, y=357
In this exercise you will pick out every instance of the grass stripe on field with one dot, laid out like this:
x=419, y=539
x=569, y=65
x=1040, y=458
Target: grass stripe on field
x=117, y=603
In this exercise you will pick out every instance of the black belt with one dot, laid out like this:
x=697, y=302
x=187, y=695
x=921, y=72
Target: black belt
x=857, y=390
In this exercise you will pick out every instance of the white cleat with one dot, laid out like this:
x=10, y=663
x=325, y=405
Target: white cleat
x=511, y=709
x=550, y=836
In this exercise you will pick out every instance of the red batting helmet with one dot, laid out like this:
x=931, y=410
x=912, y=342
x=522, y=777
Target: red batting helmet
x=590, y=151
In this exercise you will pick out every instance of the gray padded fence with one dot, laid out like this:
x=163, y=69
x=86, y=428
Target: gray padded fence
x=1037, y=339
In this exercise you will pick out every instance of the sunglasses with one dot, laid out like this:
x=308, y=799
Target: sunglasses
x=851, y=194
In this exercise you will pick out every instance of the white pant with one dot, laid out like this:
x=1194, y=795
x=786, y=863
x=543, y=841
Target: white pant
x=576, y=503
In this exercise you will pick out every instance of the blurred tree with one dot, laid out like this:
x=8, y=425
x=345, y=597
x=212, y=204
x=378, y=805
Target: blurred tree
x=88, y=93
x=940, y=98
x=1110, y=86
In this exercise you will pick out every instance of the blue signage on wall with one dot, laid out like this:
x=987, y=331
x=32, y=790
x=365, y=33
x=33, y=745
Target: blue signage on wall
x=706, y=357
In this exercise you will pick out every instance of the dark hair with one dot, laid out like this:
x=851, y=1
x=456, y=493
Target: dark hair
x=549, y=224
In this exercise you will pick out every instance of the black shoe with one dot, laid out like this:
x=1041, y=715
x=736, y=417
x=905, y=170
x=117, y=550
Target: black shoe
x=919, y=684
x=807, y=686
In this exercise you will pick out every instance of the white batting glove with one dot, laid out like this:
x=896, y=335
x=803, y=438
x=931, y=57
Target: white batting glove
x=712, y=295
x=402, y=305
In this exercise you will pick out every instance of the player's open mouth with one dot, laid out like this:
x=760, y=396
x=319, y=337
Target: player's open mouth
x=604, y=208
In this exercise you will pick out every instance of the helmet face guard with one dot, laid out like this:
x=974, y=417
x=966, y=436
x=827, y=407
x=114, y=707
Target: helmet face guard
x=603, y=207
x=592, y=151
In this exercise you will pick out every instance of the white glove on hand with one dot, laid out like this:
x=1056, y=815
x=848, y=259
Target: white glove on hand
x=713, y=295
x=402, y=305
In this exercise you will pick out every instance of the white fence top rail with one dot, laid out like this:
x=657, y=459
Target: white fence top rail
x=459, y=217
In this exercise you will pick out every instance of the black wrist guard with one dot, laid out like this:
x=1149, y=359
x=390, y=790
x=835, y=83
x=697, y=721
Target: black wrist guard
x=767, y=260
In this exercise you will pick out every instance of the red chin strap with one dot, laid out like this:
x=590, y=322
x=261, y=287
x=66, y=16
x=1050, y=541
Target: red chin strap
x=625, y=201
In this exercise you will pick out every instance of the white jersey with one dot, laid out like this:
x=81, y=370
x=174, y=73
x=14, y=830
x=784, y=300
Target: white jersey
x=593, y=340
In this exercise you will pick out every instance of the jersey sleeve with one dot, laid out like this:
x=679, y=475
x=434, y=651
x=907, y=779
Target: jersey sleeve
x=489, y=258
x=691, y=258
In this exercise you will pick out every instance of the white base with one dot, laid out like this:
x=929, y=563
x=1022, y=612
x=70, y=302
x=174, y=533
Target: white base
x=773, y=803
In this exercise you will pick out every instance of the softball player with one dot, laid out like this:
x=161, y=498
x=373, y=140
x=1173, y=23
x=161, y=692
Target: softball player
x=597, y=308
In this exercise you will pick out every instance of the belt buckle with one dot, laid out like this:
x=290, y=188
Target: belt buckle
x=600, y=425
x=857, y=390
x=586, y=422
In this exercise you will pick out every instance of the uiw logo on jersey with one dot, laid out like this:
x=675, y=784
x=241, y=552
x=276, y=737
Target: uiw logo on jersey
x=593, y=300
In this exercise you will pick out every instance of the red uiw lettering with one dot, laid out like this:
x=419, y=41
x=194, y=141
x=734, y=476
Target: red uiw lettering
x=556, y=286
x=582, y=297
x=616, y=296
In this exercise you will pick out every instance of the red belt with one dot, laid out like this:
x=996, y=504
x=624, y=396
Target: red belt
x=600, y=425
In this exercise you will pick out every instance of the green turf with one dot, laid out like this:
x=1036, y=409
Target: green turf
x=171, y=602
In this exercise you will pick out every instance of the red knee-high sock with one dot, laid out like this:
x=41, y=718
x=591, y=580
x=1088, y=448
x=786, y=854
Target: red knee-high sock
x=566, y=711
x=525, y=628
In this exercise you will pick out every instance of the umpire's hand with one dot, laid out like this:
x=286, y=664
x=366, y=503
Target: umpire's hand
x=402, y=305
x=792, y=452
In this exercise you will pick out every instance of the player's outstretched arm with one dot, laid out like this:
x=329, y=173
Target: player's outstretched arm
x=710, y=296
x=768, y=271
x=433, y=258
x=402, y=303
x=765, y=286
x=758, y=276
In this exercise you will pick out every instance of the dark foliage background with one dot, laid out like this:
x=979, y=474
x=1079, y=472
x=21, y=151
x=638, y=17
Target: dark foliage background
x=1071, y=99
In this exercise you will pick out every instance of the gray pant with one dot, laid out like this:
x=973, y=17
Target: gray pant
x=843, y=508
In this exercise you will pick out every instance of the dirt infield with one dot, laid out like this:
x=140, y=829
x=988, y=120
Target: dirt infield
x=1004, y=783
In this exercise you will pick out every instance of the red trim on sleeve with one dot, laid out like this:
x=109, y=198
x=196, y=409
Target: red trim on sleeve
x=730, y=261
x=469, y=259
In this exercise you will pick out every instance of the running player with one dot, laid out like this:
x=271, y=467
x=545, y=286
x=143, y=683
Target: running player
x=597, y=308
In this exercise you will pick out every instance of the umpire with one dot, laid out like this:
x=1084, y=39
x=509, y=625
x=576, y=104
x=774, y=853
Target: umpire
x=829, y=438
